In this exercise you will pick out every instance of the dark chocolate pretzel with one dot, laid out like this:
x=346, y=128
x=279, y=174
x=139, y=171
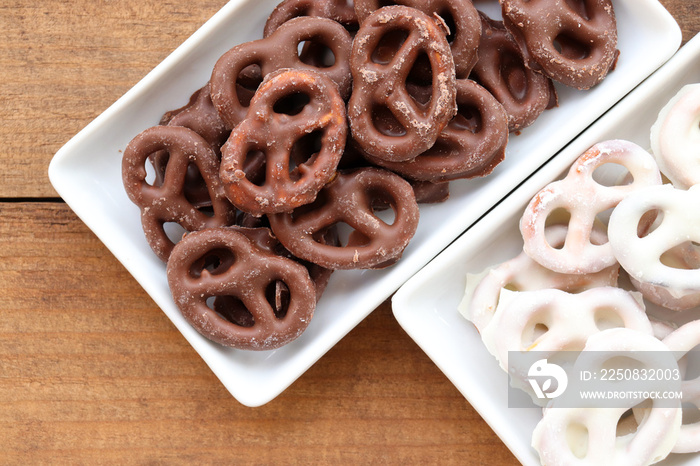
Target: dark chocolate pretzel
x=381, y=63
x=265, y=300
x=276, y=132
x=571, y=41
x=471, y=145
x=279, y=50
x=501, y=69
x=352, y=199
x=337, y=10
x=165, y=202
x=461, y=19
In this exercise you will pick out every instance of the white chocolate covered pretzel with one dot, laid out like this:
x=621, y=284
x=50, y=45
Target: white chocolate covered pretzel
x=584, y=199
x=554, y=320
x=644, y=258
x=521, y=273
x=662, y=328
x=589, y=435
x=681, y=341
x=675, y=137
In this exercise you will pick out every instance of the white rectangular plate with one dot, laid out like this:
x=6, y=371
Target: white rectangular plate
x=426, y=305
x=86, y=173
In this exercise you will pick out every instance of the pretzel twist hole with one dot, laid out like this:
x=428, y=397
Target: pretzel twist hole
x=514, y=76
x=316, y=53
x=247, y=82
x=214, y=262
x=231, y=309
x=389, y=45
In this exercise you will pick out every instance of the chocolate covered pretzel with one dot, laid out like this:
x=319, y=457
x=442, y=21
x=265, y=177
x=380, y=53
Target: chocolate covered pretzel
x=427, y=192
x=501, y=69
x=460, y=18
x=278, y=51
x=550, y=321
x=384, y=52
x=166, y=201
x=683, y=342
x=521, y=273
x=293, y=173
x=265, y=300
x=337, y=10
x=569, y=319
x=265, y=239
x=352, y=198
x=675, y=137
x=203, y=118
x=573, y=42
x=472, y=144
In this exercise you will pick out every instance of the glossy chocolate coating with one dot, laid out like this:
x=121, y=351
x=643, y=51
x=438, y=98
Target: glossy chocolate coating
x=274, y=130
x=167, y=201
x=265, y=300
x=501, y=69
x=381, y=63
x=278, y=51
x=337, y=10
x=201, y=116
x=352, y=199
x=265, y=239
x=460, y=18
x=571, y=41
x=471, y=145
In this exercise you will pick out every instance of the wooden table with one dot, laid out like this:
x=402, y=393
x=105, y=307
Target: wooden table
x=91, y=370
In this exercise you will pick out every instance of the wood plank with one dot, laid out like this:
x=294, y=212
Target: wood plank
x=687, y=14
x=63, y=63
x=91, y=370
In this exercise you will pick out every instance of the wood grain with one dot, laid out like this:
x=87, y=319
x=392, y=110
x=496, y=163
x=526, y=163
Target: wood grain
x=91, y=371
x=687, y=14
x=63, y=63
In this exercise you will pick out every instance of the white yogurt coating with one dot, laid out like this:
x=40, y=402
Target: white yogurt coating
x=588, y=435
x=675, y=137
x=672, y=286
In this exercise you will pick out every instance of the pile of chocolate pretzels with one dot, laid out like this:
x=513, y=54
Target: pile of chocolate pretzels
x=309, y=150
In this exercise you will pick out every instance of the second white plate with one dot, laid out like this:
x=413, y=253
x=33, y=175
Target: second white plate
x=426, y=305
